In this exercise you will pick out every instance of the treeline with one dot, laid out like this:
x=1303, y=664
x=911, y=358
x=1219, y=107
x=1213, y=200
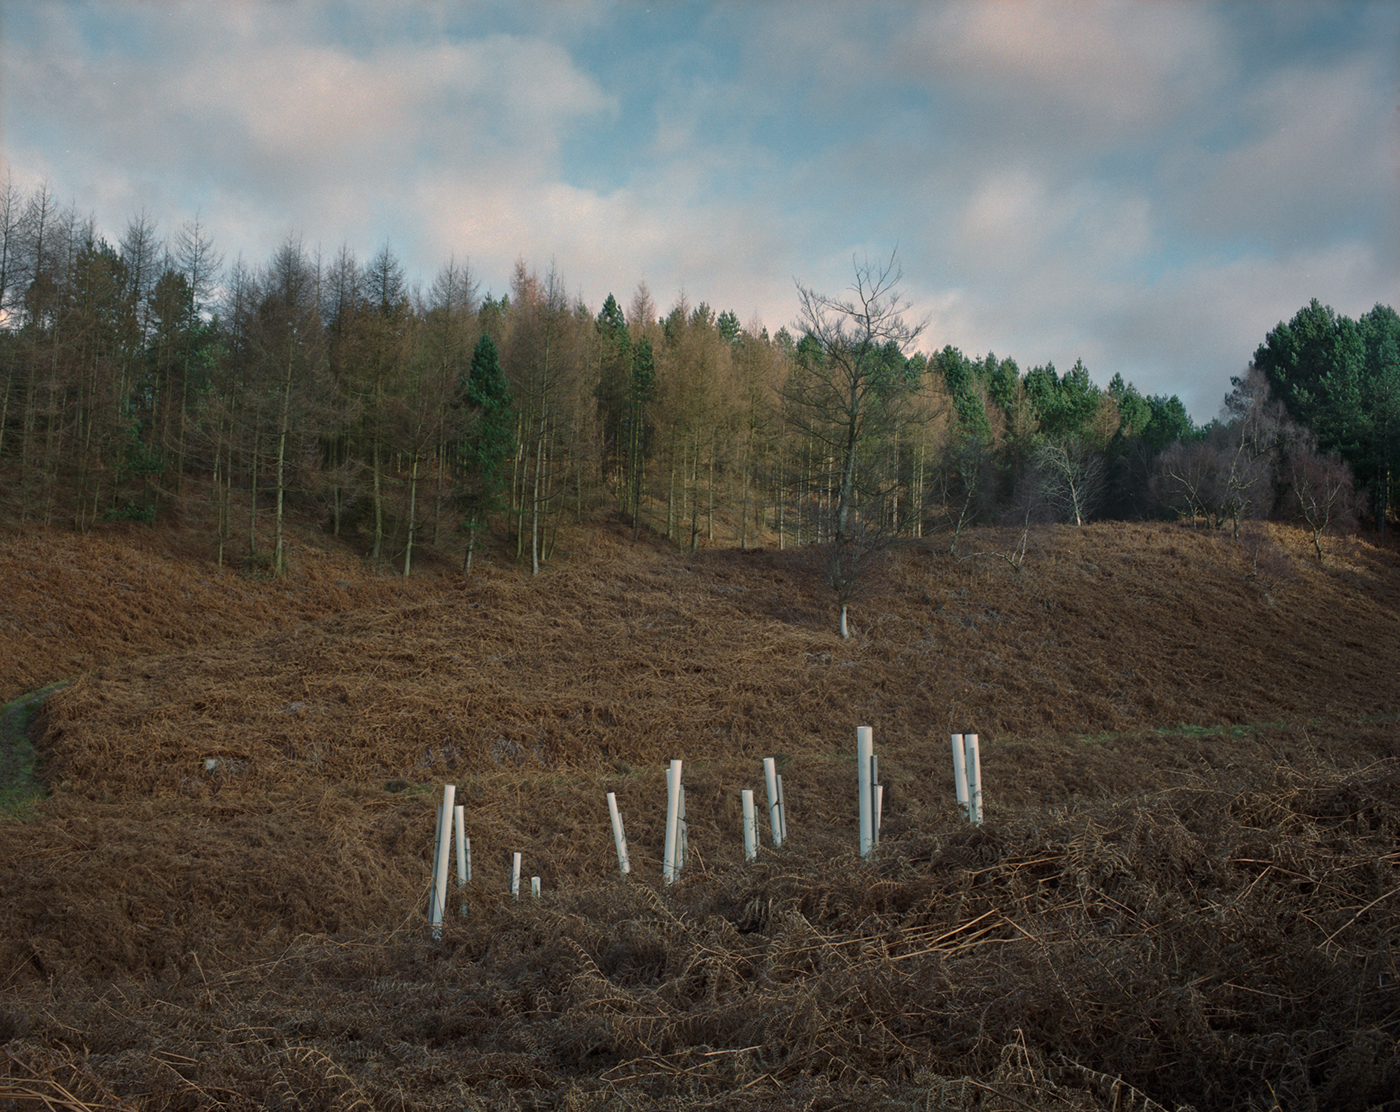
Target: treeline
x=404, y=415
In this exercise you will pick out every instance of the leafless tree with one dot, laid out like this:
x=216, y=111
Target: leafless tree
x=1229, y=474
x=846, y=398
x=1319, y=491
x=1070, y=476
x=851, y=564
x=1184, y=480
x=848, y=403
x=963, y=488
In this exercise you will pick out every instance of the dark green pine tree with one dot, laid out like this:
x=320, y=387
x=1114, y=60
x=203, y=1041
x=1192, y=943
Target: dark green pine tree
x=1380, y=331
x=614, y=387
x=1341, y=379
x=489, y=442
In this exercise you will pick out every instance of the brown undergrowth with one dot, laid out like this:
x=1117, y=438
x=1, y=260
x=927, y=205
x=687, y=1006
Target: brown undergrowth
x=1185, y=893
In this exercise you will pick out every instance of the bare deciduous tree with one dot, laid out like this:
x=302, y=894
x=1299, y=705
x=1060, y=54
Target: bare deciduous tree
x=848, y=402
x=1229, y=474
x=964, y=486
x=1070, y=475
x=846, y=397
x=851, y=562
x=1319, y=491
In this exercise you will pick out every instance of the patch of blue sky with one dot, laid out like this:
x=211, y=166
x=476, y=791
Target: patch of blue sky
x=1321, y=32
x=101, y=30
x=649, y=60
x=1176, y=257
x=1131, y=165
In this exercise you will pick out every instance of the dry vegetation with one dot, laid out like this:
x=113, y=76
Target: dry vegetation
x=1186, y=892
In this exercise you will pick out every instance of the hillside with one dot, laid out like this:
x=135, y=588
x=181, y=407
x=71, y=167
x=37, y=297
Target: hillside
x=1175, y=727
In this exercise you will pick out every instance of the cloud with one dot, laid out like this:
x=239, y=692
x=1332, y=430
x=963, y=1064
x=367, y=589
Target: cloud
x=1063, y=78
x=1314, y=145
x=267, y=114
x=1150, y=186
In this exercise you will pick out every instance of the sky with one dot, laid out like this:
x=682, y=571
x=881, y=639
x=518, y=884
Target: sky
x=1149, y=187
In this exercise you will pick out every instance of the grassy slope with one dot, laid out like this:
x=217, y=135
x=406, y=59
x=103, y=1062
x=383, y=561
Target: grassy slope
x=1122, y=663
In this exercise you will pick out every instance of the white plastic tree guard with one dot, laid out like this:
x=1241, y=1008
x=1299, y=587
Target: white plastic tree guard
x=464, y=851
x=682, y=832
x=670, y=865
x=619, y=838
x=879, y=808
x=515, y=877
x=877, y=798
x=960, y=771
x=750, y=825
x=865, y=745
x=438, y=900
x=973, y=758
x=535, y=887
x=775, y=813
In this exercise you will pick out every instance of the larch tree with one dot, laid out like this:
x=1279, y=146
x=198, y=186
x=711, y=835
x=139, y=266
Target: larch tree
x=199, y=264
x=450, y=319
x=106, y=444
x=386, y=336
x=690, y=379
x=45, y=231
x=345, y=312
x=759, y=366
x=289, y=346
x=11, y=206
x=543, y=359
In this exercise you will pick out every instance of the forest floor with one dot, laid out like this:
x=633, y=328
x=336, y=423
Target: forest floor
x=1186, y=890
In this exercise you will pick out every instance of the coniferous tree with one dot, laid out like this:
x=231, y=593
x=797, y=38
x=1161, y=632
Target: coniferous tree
x=1341, y=379
x=289, y=353
x=487, y=445
x=614, y=381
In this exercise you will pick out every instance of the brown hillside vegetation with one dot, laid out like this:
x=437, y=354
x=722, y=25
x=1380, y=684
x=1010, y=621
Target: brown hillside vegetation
x=1184, y=893
x=73, y=602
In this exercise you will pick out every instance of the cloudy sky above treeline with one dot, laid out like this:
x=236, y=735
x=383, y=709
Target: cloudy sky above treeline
x=1147, y=186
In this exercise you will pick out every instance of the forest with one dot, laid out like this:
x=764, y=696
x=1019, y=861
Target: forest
x=401, y=416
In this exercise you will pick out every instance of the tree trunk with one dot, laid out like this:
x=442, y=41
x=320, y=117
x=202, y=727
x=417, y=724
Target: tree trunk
x=284, y=428
x=695, y=498
x=253, y=499
x=744, y=512
x=377, y=464
x=412, y=511
x=535, y=505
